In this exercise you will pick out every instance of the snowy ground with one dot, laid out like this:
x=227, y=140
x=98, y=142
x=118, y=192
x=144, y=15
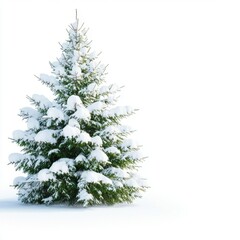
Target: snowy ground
x=141, y=220
x=135, y=221
x=153, y=217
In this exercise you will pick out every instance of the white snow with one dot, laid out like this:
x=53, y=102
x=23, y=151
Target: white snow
x=91, y=66
x=76, y=70
x=118, y=172
x=112, y=99
x=73, y=101
x=48, y=200
x=94, y=177
x=97, y=141
x=111, y=130
x=49, y=123
x=98, y=155
x=18, y=180
x=109, y=93
x=46, y=136
x=125, y=129
x=118, y=111
x=75, y=57
x=84, y=137
x=135, y=155
x=129, y=143
x=23, y=135
x=154, y=209
x=69, y=131
x=58, y=69
x=18, y=134
x=82, y=113
x=83, y=195
x=56, y=150
x=117, y=183
x=66, y=45
x=104, y=89
x=27, y=158
x=45, y=175
x=92, y=87
x=30, y=112
x=101, y=68
x=32, y=123
x=73, y=123
x=51, y=80
x=81, y=158
x=97, y=106
x=15, y=157
x=63, y=165
x=42, y=101
x=39, y=159
x=93, y=55
x=83, y=51
x=135, y=181
x=132, y=183
x=84, y=66
x=55, y=113
x=113, y=150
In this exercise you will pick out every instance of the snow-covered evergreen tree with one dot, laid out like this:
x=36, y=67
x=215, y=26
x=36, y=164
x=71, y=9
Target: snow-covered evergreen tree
x=75, y=149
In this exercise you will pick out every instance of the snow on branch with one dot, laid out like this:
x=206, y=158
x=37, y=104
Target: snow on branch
x=41, y=101
x=47, y=136
x=48, y=80
x=94, y=177
x=28, y=112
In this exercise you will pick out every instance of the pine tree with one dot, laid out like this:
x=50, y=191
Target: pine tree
x=75, y=149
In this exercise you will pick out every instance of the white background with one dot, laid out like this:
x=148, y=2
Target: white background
x=180, y=64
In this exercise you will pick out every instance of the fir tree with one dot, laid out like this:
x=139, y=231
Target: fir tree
x=75, y=149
